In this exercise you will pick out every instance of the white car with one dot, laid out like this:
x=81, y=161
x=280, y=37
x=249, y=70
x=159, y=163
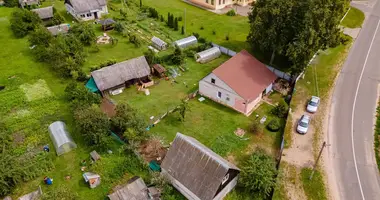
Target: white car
x=313, y=104
x=303, y=124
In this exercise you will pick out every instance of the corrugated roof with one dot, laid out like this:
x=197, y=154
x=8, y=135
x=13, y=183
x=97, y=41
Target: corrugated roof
x=62, y=28
x=134, y=190
x=246, y=75
x=82, y=6
x=44, y=13
x=120, y=73
x=106, y=22
x=186, y=41
x=158, y=41
x=159, y=68
x=195, y=166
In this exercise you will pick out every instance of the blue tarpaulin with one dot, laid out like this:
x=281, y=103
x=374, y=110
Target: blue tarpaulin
x=91, y=85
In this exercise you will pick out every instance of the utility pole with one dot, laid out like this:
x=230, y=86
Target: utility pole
x=316, y=162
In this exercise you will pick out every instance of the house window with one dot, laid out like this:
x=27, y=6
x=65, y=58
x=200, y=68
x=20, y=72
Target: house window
x=228, y=99
x=224, y=1
x=225, y=179
x=220, y=2
x=212, y=81
x=89, y=14
x=219, y=95
x=212, y=2
x=82, y=15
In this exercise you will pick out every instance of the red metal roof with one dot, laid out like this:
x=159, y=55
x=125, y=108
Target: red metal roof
x=246, y=75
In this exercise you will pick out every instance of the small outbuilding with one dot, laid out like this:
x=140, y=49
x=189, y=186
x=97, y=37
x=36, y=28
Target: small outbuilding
x=94, y=156
x=28, y=3
x=45, y=14
x=92, y=179
x=107, y=24
x=61, y=138
x=208, y=55
x=159, y=70
x=59, y=29
x=158, y=43
x=186, y=42
x=134, y=189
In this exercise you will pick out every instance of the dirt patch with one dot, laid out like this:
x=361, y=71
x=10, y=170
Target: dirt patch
x=153, y=150
x=18, y=138
x=108, y=107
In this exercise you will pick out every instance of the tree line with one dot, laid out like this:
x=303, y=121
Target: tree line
x=296, y=30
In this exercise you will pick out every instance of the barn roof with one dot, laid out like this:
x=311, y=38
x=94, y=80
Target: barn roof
x=158, y=41
x=246, y=75
x=159, y=68
x=62, y=28
x=195, y=166
x=117, y=74
x=135, y=189
x=44, y=13
x=82, y=6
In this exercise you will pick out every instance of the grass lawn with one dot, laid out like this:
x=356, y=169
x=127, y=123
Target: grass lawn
x=354, y=18
x=313, y=189
x=31, y=100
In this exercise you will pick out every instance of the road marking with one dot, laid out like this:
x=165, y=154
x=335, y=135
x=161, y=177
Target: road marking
x=353, y=110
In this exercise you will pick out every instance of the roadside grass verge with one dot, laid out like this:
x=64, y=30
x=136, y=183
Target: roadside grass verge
x=312, y=188
x=354, y=18
x=377, y=136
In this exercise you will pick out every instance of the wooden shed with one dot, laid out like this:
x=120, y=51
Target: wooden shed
x=159, y=70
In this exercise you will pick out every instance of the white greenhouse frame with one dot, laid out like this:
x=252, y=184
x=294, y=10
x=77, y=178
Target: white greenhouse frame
x=158, y=43
x=207, y=55
x=185, y=42
x=61, y=138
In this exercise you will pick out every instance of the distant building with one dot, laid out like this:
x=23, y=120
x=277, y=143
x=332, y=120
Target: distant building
x=196, y=171
x=220, y=4
x=134, y=189
x=59, y=29
x=86, y=9
x=26, y=3
x=238, y=83
x=45, y=14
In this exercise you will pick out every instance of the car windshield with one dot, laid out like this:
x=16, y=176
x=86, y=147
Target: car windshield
x=304, y=124
x=312, y=103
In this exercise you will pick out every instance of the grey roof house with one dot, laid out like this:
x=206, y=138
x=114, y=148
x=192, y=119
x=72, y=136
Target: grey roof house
x=119, y=75
x=44, y=13
x=26, y=3
x=196, y=171
x=59, y=29
x=86, y=9
x=134, y=189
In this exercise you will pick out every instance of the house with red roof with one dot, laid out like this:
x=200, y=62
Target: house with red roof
x=239, y=83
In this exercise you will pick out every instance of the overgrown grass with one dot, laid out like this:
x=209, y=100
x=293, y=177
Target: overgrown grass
x=315, y=188
x=377, y=136
x=354, y=18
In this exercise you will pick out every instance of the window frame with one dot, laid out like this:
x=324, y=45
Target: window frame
x=219, y=96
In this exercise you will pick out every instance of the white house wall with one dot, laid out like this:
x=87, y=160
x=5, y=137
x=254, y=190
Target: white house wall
x=226, y=189
x=211, y=90
x=251, y=105
x=87, y=15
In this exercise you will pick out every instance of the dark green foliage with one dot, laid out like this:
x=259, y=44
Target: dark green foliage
x=176, y=24
x=231, y=13
x=183, y=30
x=196, y=35
x=202, y=28
x=178, y=57
x=182, y=109
x=11, y=3
x=258, y=174
x=80, y=96
x=227, y=37
x=40, y=37
x=189, y=53
x=180, y=18
x=162, y=18
x=281, y=110
x=295, y=29
x=119, y=27
x=128, y=123
x=204, y=46
x=84, y=32
x=377, y=135
x=94, y=125
x=214, y=32
x=141, y=4
x=153, y=13
x=57, y=18
x=134, y=39
x=274, y=125
x=202, y=40
x=151, y=57
x=103, y=64
x=23, y=22
x=255, y=127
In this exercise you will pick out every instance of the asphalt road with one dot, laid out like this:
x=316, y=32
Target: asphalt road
x=352, y=116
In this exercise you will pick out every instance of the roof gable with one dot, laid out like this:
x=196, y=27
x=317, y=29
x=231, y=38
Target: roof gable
x=82, y=6
x=246, y=75
x=195, y=166
x=119, y=73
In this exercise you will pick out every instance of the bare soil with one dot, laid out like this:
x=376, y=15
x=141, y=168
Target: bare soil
x=152, y=150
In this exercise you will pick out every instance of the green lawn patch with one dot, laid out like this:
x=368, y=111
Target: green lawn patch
x=314, y=189
x=354, y=18
x=38, y=90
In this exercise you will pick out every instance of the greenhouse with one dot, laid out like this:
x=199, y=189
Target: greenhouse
x=208, y=55
x=62, y=140
x=185, y=42
x=158, y=43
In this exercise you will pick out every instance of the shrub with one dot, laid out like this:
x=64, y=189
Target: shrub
x=189, y=53
x=119, y=27
x=182, y=30
x=201, y=40
x=196, y=35
x=202, y=28
x=180, y=18
x=231, y=12
x=274, y=125
x=281, y=110
x=134, y=39
x=178, y=58
x=214, y=32
x=24, y=21
x=227, y=37
x=84, y=32
x=255, y=127
x=10, y=3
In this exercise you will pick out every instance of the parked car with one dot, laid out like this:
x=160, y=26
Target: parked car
x=303, y=124
x=313, y=104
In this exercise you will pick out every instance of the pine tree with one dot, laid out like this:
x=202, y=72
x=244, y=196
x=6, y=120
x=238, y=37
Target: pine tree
x=176, y=24
x=168, y=20
x=183, y=30
x=140, y=3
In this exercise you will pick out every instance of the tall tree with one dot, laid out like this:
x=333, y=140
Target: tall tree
x=176, y=24
x=141, y=4
x=84, y=32
x=23, y=22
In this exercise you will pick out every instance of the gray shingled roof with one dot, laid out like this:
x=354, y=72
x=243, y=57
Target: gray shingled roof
x=195, y=166
x=135, y=189
x=62, y=28
x=82, y=6
x=44, y=13
x=120, y=73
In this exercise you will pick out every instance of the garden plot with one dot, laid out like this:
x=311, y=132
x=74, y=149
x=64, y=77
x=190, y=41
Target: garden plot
x=38, y=90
